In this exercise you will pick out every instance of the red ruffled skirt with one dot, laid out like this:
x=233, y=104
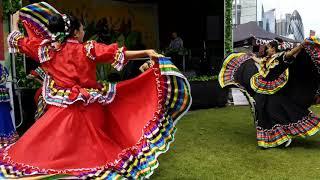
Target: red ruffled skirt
x=121, y=139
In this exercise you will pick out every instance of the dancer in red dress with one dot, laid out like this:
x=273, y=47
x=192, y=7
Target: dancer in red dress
x=92, y=130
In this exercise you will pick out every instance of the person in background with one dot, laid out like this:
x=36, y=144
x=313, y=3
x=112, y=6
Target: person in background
x=176, y=43
x=8, y=134
x=175, y=47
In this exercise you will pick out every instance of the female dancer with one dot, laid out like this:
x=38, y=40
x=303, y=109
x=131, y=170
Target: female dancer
x=8, y=134
x=281, y=87
x=92, y=130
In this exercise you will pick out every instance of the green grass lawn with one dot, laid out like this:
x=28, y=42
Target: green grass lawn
x=221, y=144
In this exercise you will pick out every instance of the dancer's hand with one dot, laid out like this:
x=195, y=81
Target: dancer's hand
x=146, y=65
x=153, y=54
x=296, y=50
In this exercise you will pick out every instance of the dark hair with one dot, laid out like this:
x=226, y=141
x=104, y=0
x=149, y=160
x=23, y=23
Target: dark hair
x=279, y=40
x=57, y=24
x=274, y=44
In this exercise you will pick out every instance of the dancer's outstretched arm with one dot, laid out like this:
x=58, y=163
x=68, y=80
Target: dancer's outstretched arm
x=295, y=51
x=132, y=55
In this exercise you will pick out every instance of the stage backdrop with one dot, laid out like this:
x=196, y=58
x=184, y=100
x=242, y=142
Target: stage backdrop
x=136, y=25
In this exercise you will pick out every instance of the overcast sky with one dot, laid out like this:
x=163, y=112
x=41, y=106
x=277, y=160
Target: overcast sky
x=309, y=11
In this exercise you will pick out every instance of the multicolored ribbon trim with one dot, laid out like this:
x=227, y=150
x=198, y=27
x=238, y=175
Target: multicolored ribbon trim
x=36, y=17
x=62, y=97
x=262, y=86
x=8, y=139
x=119, y=59
x=89, y=48
x=312, y=47
x=12, y=40
x=230, y=67
x=280, y=134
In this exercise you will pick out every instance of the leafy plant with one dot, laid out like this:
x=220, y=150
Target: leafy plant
x=228, y=27
x=10, y=6
x=22, y=79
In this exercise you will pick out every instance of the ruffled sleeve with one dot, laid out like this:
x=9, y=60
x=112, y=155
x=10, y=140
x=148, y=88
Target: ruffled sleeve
x=17, y=43
x=112, y=54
